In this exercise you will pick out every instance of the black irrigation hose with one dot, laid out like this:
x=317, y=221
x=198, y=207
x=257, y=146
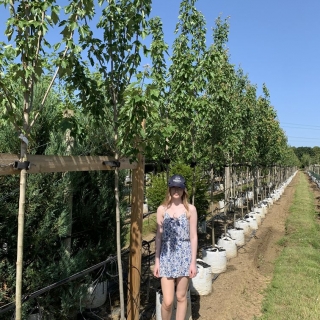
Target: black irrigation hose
x=77, y=275
x=148, y=257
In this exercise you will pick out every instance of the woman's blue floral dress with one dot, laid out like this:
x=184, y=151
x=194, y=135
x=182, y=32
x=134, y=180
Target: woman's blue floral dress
x=175, y=254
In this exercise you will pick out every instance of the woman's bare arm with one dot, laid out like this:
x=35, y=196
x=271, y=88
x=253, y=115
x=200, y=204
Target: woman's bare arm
x=193, y=239
x=160, y=213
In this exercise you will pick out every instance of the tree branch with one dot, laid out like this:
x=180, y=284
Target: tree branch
x=51, y=84
x=40, y=37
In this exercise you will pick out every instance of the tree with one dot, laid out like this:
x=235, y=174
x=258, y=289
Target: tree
x=224, y=132
x=300, y=151
x=186, y=83
x=316, y=157
x=117, y=55
x=305, y=160
x=24, y=60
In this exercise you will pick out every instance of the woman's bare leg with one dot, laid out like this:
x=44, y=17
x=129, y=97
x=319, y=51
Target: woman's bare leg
x=181, y=293
x=167, y=287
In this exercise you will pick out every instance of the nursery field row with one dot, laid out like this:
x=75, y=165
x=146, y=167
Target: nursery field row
x=275, y=274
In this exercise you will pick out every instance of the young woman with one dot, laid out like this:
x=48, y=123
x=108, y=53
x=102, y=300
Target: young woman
x=176, y=247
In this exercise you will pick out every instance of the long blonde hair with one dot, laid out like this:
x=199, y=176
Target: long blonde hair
x=168, y=200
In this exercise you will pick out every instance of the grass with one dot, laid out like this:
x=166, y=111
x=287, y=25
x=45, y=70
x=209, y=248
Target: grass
x=294, y=292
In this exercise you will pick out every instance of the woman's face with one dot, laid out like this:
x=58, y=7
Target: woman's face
x=176, y=192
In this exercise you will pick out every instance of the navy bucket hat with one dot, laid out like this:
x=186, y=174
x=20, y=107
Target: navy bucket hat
x=177, y=181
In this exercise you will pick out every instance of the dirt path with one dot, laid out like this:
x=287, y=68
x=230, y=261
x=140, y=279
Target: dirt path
x=238, y=293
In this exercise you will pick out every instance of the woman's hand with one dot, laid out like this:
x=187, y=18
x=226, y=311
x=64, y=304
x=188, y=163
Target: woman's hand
x=156, y=270
x=193, y=240
x=193, y=270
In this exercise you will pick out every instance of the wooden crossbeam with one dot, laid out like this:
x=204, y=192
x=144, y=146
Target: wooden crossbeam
x=48, y=163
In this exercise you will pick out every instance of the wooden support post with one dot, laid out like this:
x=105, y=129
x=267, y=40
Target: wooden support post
x=133, y=304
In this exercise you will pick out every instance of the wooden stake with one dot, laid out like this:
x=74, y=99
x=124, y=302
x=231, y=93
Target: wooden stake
x=20, y=235
x=133, y=304
x=19, y=264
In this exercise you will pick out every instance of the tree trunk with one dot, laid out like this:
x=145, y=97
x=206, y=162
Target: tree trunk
x=193, y=185
x=255, y=185
x=116, y=193
x=22, y=197
x=69, y=191
x=227, y=186
x=69, y=195
x=211, y=205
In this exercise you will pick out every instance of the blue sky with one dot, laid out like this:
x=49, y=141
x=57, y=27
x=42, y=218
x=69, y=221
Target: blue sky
x=275, y=42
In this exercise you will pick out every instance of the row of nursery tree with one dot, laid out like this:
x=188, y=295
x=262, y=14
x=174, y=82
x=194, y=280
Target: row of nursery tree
x=86, y=93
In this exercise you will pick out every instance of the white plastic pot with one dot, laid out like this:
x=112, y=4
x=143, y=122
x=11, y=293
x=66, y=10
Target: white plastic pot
x=216, y=257
x=261, y=211
x=270, y=201
x=252, y=222
x=264, y=207
x=201, y=284
x=238, y=235
x=230, y=245
x=257, y=216
x=97, y=295
x=243, y=224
